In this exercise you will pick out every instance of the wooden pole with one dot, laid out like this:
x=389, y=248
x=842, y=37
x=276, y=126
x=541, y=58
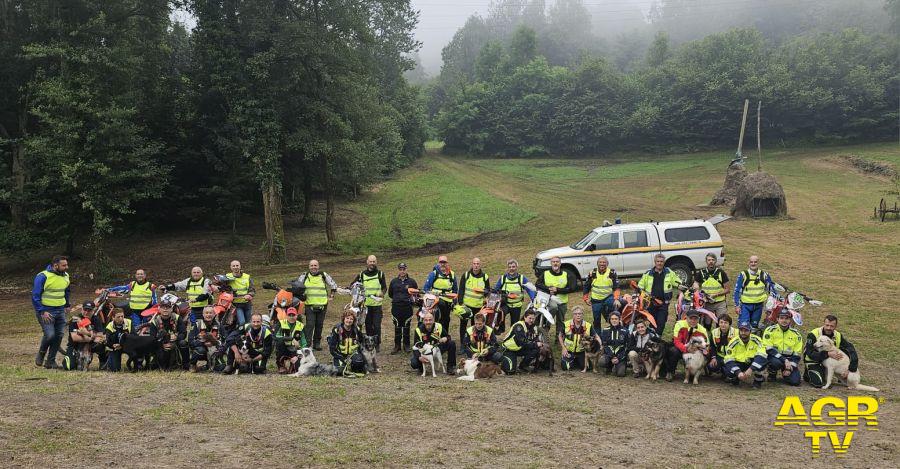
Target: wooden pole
x=758, y=139
x=743, y=126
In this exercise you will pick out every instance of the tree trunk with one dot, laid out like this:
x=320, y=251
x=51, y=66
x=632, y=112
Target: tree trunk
x=275, y=246
x=329, y=202
x=307, y=219
x=16, y=211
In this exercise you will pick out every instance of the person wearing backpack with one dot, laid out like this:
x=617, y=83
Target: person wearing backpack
x=751, y=290
x=514, y=286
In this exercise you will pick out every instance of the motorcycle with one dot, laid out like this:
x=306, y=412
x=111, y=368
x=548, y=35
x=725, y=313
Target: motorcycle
x=286, y=298
x=694, y=300
x=357, y=292
x=636, y=304
x=428, y=300
x=781, y=298
x=105, y=303
x=541, y=305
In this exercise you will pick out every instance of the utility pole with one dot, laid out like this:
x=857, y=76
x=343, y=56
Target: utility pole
x=758, y=139
x=737, y=155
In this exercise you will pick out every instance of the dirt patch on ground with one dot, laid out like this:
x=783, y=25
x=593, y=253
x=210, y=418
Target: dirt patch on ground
x=876, y=168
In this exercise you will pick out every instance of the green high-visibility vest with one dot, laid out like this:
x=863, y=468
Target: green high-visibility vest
x=473, y=299
x=139, y=296
x=754, y=288
x=513, y=286
x=602, y=285
x=54, y=294
x=195, y=289
x=316, y=293
x=372, y=283
x=558, y=281
x=240, y=285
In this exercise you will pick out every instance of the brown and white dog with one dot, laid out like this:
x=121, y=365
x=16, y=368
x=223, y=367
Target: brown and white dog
x=832, y=366
x=473, y=368
x=694, y=359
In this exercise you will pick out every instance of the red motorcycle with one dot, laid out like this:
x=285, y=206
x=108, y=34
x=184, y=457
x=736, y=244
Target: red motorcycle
x=779, y=299
x=694, y=300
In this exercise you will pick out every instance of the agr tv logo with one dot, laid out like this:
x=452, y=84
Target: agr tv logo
x=826, y=412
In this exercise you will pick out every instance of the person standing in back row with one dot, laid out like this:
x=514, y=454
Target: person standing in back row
x=514, y=286
x=401, y=307
x=558, y=282
x=751, y=290
x=601, y=291
x=714, y=282
x=375, y=285
x=242, y=286
x=319, y=289
x=659, y=283
x=50, y=298
x=443, y=280
x=473, y=288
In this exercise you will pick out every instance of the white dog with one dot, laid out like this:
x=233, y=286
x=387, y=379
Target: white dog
x=694, y=359
x=832, y=366
x=432, y=354
x=309, y=366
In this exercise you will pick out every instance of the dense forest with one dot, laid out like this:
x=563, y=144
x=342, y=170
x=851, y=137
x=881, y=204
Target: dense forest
x=528, y=79
x=115, y=118
x=112, y=116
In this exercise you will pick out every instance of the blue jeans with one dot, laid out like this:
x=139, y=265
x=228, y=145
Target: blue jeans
x=751, y=312
x=602, y=308
x=53, y=331
x=777, y=365
x=243, y=311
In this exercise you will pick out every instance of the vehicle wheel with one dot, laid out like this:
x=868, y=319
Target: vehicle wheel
x=683, y=270
x=574, y=273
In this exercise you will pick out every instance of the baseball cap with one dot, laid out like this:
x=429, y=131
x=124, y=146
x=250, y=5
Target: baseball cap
x=744, y=325
x=88, y=305
x=401, y=265
x=784, y=313
x=693, y=313
x=292, y=311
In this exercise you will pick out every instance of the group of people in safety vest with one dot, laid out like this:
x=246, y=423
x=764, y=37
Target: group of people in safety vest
x=195, y=338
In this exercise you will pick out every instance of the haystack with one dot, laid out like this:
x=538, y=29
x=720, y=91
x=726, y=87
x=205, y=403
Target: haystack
x=759, y=195
x=728, y=193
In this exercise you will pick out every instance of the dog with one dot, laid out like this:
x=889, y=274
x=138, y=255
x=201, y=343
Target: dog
x=544, y=360
x=592, y=354
x=370, y=352
x=309, y=366
x=473, y=368
x=432, y=354
x=832, y=366
x=652, y=356
x=694, y=359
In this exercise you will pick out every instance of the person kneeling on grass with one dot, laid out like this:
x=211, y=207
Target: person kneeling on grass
x=480, y=341
x=344, y=345
x=522, y=341
x=430, y=332
x=250, y=353
x=642, y=337
x=85, y=338
x=615, y=340
x=745, y=358
x=719, y=338
x=289, y=338
x=204, y=341
x=116, y=332
x=577, y=336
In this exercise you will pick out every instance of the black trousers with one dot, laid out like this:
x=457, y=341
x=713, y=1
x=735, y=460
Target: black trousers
x=315, y=320
x=513, y=314
x=673, y=356
x=444, y=310
x=401, y=314
x=464, y=324
x=618, y=369
x=509, y=364
x=373, y=322
x=574, y=362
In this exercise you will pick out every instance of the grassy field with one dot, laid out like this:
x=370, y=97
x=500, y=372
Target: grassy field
x=829, y=247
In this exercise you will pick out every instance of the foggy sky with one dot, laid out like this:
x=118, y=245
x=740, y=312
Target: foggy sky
x=438, y=21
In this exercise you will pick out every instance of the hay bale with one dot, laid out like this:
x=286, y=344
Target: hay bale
x=759, y=195
x=733, y=178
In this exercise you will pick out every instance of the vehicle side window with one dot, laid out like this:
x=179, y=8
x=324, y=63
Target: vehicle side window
x=691, y=233
x=635, y=239
x=607, y=241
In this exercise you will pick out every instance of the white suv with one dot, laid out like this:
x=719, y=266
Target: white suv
x=630, y=248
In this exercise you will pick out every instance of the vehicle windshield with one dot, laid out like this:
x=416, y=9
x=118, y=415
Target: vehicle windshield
x=584, y=241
